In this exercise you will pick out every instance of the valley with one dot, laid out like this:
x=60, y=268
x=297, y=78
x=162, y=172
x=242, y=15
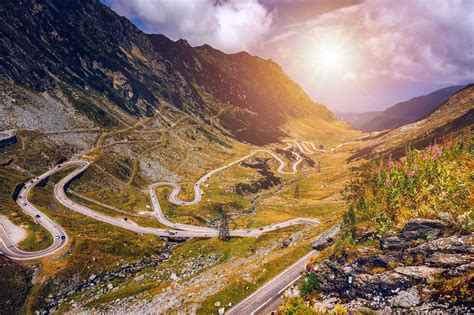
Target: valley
x=143, y=173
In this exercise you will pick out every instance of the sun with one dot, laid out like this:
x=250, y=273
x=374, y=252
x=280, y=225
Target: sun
x=331, y=56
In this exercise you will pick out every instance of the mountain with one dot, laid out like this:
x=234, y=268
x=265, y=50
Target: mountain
x=114, y=73
x=453, y=116
x=357, y=120
x=408, y=111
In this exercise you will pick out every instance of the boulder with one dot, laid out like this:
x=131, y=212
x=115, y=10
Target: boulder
x=375, y=261
x=448, y=260
x=423, y=229
x=393, y=243
x=367, y=236
x=326, y=238
x=419, y=272
x=406, y=299
x=384, y=284
x=453, y=244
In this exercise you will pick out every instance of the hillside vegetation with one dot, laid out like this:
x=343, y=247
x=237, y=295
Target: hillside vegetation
x=409, y=111
x=432, y=183
x=456, y=114
x=113, y=73
x=405, y=241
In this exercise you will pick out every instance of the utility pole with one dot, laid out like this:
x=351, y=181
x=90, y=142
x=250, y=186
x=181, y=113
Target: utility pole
x=224, y=234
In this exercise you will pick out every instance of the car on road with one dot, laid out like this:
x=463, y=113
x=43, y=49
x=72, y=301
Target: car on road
x=37, y=216
x=260, y=229
x=63, y=237
x=24, y=203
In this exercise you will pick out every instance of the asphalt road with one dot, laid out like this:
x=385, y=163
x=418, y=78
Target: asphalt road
x=60, y=239
x=267, y=295
x=272, y=289
x=8, y=248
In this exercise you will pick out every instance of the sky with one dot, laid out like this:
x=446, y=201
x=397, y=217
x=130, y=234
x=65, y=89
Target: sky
x=351, y=55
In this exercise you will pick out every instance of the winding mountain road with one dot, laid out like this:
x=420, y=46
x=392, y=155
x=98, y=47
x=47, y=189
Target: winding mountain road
x=60, y=239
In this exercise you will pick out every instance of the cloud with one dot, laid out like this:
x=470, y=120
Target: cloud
x=414, y=40
x=229, y=25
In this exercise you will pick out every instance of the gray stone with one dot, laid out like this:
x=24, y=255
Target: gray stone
x=393, y=243
x=423, y=229
x=419, y=272
x=406, y=299
x=326, y=238
x=453, y=244
x=448, y=260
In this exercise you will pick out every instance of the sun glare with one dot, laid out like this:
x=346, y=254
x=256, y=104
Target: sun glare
x=331, y=56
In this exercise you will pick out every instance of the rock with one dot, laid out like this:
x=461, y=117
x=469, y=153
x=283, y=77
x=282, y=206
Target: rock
x=423, y=228
x=453, y=244
x=326, y=304
x=221, y=310
x=406, y=299
x=326, y=238
x=174, y=277
x=217, y=304
x=110, y=286
x=384, y=284
x=448, y=260
x=292, y=291
x=374, y=261
x=369, y=235
x=393, y=243
x=92, y=277
x=419, y=272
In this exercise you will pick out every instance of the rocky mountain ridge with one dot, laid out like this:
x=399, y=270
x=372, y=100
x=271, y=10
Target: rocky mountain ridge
x=109, y=68
x=409, y=111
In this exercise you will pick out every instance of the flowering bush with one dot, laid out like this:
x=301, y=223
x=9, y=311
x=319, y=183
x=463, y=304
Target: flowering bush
x=424, y=183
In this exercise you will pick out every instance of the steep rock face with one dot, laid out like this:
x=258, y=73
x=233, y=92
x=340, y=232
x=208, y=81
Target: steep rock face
x=83, y=48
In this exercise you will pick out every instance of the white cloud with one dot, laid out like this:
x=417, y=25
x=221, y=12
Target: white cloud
x=230, y=25
x=419, y=40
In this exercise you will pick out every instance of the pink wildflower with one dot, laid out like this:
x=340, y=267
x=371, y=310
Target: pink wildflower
x=436, y=152
x=388, y=182
x=390, y=164
x=410, y=174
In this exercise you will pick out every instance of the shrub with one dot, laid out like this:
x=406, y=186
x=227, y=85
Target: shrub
x=310, y=285
x=296, y=306
x=424, y=183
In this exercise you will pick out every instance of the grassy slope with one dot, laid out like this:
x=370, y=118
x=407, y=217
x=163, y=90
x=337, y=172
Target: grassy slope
x=458, y=109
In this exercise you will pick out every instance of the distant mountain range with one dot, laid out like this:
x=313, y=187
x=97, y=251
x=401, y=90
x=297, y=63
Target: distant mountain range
x=452, y=116
x=357, y=120
x=401, y=113
x=85, y=50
